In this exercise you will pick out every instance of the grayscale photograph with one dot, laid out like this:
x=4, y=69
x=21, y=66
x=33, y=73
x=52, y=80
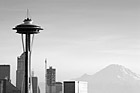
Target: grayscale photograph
x=70, y=46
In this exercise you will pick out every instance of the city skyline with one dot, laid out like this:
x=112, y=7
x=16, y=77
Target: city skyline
x=79, y=36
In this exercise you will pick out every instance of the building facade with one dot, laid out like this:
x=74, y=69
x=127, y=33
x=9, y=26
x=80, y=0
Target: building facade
x=75, y=87
x=7, y=87
x=20, y=72
x=50, y=80
x=58, y=86
x=5, y=72
x=35, y=86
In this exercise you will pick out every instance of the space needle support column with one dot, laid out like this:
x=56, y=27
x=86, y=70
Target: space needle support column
x=27, y=59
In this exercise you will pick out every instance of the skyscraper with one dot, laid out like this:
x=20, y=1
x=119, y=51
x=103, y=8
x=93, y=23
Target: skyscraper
x=5, y=72
x=50, y=81
x=7, y=87
x=35, y=84
x=51, y=76
x=75, y=87
x=20, y=72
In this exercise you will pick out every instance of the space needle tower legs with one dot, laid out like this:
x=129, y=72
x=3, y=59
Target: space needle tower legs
x=27, y=29
x=27, y=60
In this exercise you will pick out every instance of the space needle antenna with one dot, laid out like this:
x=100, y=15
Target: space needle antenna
x=28, y=16
x=27, y=13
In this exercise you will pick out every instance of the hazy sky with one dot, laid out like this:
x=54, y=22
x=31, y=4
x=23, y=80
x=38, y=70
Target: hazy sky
x=79, y=36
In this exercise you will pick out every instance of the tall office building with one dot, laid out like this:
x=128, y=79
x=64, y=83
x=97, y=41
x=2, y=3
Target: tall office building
x=20, y=72
x=50, y=80
x=5, y=72
x=7, y=87
x=35, y=85
x=75, y=87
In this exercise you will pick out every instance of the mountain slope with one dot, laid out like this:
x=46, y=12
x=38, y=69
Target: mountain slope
x=113, y=79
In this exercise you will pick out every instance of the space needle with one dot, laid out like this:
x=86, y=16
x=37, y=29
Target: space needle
x=27, y=31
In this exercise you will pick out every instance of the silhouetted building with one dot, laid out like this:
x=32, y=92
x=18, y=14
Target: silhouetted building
x=20, y=73
x=5, y=72
x=50, y=84
x=35, y=86
x=58, y=86
x=75, y=87
x=7, y=87
x=39, y=90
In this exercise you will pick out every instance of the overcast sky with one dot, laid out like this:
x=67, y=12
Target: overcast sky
x=79, y=36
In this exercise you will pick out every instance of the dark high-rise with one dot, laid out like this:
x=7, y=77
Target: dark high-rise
x=51, y=80
x=20, y=72
x=51, y=76
x=5, y=72
x=5, y=83
x=35, y=86
x=75, y=87
x=7, y=87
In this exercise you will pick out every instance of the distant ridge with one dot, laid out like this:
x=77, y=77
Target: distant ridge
x=113, y=79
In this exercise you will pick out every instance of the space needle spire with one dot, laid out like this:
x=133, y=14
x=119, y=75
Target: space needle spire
x=27, y=30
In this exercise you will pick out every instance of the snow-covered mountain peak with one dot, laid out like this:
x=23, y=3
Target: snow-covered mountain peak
x=112, y=73
x=112, y=79
x=120, y=72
